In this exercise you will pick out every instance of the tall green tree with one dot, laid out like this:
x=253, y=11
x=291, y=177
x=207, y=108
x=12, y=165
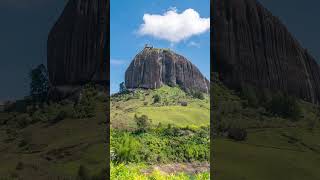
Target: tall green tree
x=39, y=86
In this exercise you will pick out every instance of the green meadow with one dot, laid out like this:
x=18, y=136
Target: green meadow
x=168, y=111
x=277, y=146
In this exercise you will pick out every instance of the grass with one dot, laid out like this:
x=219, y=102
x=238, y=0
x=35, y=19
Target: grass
x=268, y=155
x=167, y=111
x=276, y=147
x=177, y=115
x=56, y=150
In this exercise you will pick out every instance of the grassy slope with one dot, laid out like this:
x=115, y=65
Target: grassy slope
x=269, y=151
x=169, y=111
x=67, y=144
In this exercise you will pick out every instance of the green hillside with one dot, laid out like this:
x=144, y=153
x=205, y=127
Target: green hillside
x=167, y=111
x=277, y=146
x=160, y=134
x=52, y=143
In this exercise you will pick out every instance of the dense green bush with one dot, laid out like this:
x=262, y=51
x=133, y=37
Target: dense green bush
x=86, y=106
x=156, y=98
x=127, y=148
x=53, y=113
x=162, y=145
x=197, y=94
x=83, y=173
x=249, y=93
x=143, y=123
x=19, y=166
x=238, y=134
x=284, y=106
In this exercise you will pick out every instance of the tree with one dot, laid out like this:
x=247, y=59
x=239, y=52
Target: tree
x=123, y=88
x=284, y=106
x=143, y=123
x=39, y=86
x=85, y=108
x=197, y=94
x=249, y=93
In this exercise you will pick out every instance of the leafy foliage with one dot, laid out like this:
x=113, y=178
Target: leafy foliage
x=143, y=123
x=86, y=107
x=161, y=145
x=197, y=94
x=127, y=148
x=156, y=98
x=285, y=106
x=39, y=86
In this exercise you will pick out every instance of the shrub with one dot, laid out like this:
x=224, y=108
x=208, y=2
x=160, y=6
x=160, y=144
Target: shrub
x=143, y=123
x=237, y=134
x=22, y=120
x=184, y=103
x=249, y=93
x=284, y=106
x=101, y=176
x=39, y=116
x=127, y=149
x=86, y=107
x=197, y=94
x=156, y=98
x=19, y=166
x=23, y=143
x=83, y=173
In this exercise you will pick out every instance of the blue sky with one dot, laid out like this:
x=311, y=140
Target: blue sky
x=128, y=36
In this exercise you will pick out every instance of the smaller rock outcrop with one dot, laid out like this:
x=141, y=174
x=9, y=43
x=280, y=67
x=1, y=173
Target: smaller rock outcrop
x=154, y=67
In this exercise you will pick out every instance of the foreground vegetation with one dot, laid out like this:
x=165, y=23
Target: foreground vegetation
x=158, y=127
x=52, y=140
x=161, y=145
x=133, y=172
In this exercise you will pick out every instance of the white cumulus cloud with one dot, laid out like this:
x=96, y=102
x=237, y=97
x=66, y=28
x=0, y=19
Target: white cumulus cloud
x=174, y=27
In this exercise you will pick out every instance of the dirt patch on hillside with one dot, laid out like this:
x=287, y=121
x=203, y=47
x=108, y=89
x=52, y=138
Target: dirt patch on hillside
x=188, y=168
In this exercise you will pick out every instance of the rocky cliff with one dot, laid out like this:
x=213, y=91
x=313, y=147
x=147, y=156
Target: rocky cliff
x=77, y=44
x=153, y=68
x=253, y=46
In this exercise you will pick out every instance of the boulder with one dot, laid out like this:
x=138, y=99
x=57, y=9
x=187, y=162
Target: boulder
x=154, y=67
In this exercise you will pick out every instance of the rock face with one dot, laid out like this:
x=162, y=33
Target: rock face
x=153, y=68
x=77, y=44
x=252, y=46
